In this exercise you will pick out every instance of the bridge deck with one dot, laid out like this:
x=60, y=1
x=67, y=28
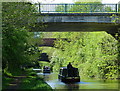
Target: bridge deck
x=80, y=14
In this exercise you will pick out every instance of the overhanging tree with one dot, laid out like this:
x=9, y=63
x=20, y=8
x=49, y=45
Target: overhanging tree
x=17, y=17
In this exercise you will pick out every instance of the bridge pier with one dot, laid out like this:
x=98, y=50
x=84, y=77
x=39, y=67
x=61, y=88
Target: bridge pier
x=119, y=6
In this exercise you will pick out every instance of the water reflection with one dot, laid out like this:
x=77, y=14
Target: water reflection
x=71, y=86
x=52, y=80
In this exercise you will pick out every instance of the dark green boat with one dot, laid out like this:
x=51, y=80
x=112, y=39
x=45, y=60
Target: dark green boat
x=69, y=75
x=46, y=69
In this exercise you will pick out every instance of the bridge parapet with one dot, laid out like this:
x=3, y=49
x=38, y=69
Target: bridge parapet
x=76, y=8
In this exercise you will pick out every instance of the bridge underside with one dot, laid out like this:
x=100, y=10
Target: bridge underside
x=77, y=27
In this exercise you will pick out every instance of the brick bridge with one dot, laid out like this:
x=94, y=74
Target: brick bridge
x=49, y=42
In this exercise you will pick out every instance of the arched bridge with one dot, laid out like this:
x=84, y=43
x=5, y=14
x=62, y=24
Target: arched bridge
x=49, y=42
x=73, y=17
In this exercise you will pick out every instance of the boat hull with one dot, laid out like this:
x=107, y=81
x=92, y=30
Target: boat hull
x=69, y=79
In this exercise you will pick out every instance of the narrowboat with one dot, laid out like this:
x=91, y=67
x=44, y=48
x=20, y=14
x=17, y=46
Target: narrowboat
x=37, y=70
x=46, y=69
x=69, y=75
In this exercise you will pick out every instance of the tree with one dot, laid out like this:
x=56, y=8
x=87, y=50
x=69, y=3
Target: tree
x=17, y=17
x=85, y=6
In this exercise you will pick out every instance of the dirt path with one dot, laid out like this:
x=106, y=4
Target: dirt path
x=15, y=84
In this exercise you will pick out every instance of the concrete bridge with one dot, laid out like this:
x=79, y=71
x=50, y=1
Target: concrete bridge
x=96, y=18
x=49, y=42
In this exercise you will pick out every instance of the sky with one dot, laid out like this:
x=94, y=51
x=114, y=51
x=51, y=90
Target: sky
x=71, y=1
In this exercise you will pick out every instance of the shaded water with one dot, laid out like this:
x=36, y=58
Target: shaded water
x=52, y=80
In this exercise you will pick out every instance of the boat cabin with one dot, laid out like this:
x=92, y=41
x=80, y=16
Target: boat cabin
x=69, y=75
x=46, y=69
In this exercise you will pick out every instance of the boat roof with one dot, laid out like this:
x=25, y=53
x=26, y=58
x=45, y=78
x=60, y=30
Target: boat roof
x=63, y=68
x=66, y=68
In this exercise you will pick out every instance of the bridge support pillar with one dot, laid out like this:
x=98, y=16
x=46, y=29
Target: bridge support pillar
x=119, y=6
x=116, y=34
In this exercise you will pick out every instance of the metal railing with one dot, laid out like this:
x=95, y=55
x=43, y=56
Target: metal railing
x=76, y=8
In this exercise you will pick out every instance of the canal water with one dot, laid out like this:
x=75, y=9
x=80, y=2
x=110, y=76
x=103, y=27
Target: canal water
x=52, y=80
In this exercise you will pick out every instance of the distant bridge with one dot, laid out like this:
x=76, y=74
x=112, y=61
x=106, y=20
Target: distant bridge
x=49, y=42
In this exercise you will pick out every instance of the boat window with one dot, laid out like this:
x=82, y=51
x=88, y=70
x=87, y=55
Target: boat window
x=64, y=72
x=75, y=72
x=60, y=71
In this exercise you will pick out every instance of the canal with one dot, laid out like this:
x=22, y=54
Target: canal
x=52, y=80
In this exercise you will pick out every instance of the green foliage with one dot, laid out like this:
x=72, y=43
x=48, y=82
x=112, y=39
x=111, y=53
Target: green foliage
x=94, y=53
x=94, y=7
x=81, y=7
x=85, y=6
x=18, y=14
x=17, y=17
x=88, y=0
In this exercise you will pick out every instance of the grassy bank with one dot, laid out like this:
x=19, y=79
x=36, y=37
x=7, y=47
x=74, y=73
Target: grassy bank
x=34, y=83
x=30, y=81
x=6, y=81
